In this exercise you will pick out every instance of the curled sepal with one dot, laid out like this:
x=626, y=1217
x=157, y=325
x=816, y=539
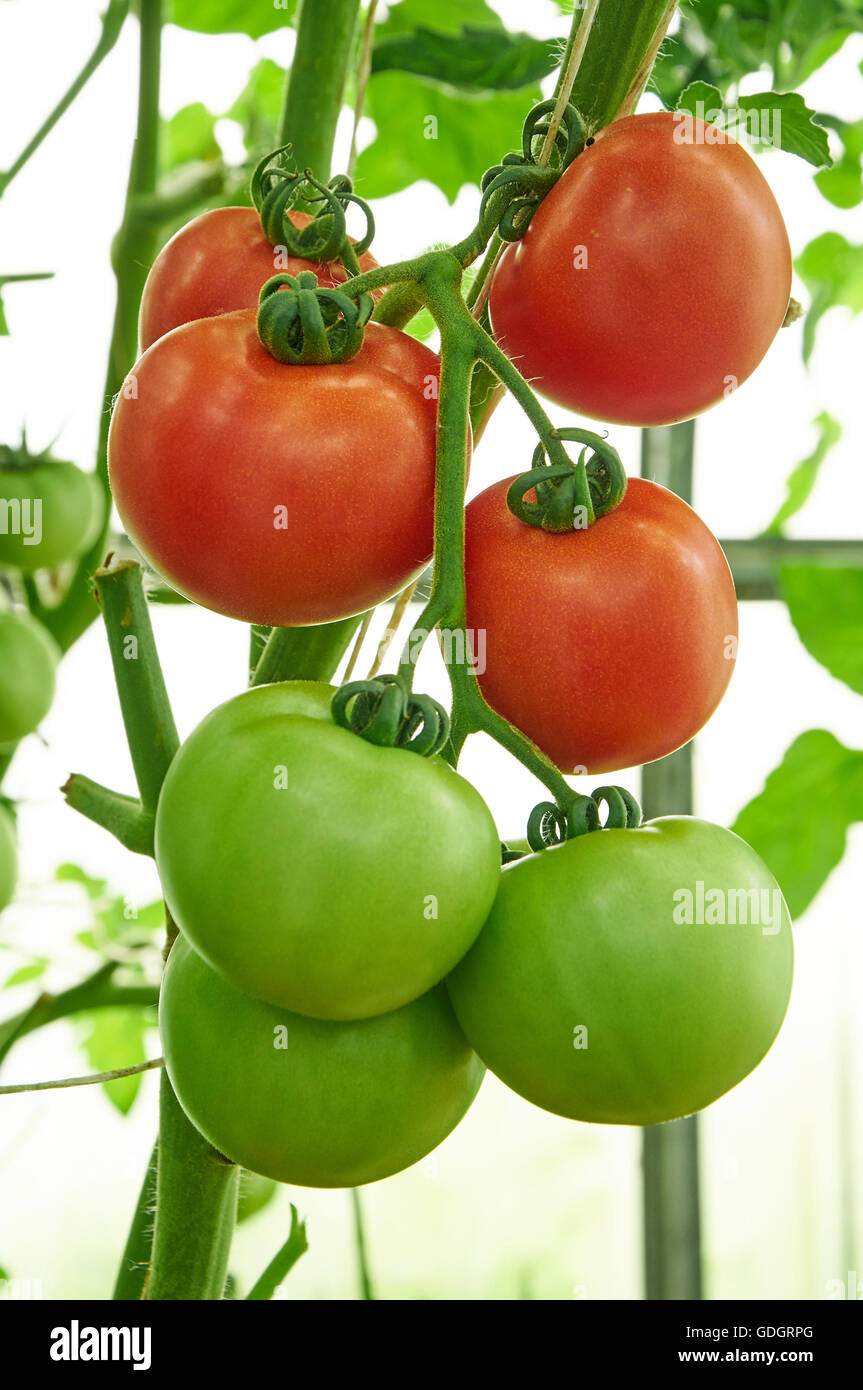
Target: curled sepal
x=385, y=711
x=514, y=189
x=624, y=812
x=558, y=490
x=304, y=324
x=509, y=856
x=549, y=824
x=276, y=188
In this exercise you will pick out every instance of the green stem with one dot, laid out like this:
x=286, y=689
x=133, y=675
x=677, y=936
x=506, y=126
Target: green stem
x=196, y=1208
x=313, y=95
x=614, y=57
x=135, y=1264
x=150, y=728
x=134, y=248
x=112, y=22
x=304, y=653
x=122, y=816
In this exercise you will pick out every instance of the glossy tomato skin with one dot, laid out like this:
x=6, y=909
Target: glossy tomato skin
x=686, y=282
x=68, y=504
x=608, y=646
x=217, y=263
x=593, y=935
x=28, y=664
x=8, y=858
x=307, y=1102
x=278, y=494
x=316, y=870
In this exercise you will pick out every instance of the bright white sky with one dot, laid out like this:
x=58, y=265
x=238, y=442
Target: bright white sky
x=770, y=1146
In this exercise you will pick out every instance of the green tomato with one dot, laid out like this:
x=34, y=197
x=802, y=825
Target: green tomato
x=28, y=664
x=49, y=511
x=315, y=870
x=255, y=1193
x=608, y=986
x=8, y=858
x=304, y=1101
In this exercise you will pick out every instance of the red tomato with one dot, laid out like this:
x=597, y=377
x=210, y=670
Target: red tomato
x=217, y=263
x=652, y=279
x=278, y=494
x=609, y=646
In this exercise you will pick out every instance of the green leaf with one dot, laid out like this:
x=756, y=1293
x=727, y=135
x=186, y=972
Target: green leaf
x=189, y=135
x=233, y=16
x=832, y=270
x=787, y=123
x=444, y=16
x=259, y=105
x=802, y=480
x=73, y=873
x=282, y=1263
x=476, y=59
x=700, y=99
x=799, y=822
x=446, y=138
x=26, y=972
x=843, y=185
x=112, y=1039
x=826, y=607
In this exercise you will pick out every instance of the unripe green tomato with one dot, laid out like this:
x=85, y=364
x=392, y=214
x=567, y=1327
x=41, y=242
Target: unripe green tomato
x=28, y=664
x=315, y=870
x=310, y=1102
x=591, y=994
x=255, y=1193
x=49, y=512
x=8, y=858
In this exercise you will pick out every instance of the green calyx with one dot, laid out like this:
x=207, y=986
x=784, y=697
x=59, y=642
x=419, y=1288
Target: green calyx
x=569, y=496
x=19, y=459
x=276, y=189
x=514, y=189
x=384, y=711
x=302, y=323
x=549, y=824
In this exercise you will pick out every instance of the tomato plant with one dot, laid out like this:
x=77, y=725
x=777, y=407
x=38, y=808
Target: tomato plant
x=653, y=278
x=216, y=263
x=265, y=808
x=629, y=624
x=594, y=993
x=317, y=1104
x=28, y=662
x=57, y=510
x=271, y=494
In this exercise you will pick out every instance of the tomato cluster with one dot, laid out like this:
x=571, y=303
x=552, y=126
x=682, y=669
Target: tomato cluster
x=351, y=953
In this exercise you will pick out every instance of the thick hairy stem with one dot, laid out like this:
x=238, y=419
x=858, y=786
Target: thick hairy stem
x=196, y=1209
x=313, y=96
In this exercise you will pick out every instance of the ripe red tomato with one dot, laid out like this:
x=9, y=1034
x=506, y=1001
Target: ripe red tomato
x=217, y=263
x=652, y=279
x=278, y=494
x=609, y=646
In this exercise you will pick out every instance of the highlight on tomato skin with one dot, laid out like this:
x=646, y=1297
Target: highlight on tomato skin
x=216, y=264
x=609, y=646
x=275, y=494
x=652, y=279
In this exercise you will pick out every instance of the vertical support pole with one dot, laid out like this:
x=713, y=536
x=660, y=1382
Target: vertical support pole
x=670, y=1188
